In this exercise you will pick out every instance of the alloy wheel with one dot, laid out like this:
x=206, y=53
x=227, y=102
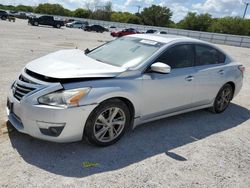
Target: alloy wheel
x=109, y=124
x=224, y=99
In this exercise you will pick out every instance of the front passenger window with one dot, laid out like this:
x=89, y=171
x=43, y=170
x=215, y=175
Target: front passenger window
x=179, y=56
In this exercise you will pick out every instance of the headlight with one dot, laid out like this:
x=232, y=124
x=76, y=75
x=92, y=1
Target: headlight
x=65, y=98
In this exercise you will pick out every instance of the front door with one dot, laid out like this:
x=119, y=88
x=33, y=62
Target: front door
x=169, y=93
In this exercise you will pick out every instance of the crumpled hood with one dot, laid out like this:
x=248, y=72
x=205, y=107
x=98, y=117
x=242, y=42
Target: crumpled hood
x=72, y=64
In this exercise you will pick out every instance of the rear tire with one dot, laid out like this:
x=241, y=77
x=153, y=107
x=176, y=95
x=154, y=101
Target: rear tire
x=223, y=99
x=107, y=123
x=58, y=26
x=4, y=17
x=36, y=23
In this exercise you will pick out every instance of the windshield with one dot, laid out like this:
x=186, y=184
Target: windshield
x=125, y=51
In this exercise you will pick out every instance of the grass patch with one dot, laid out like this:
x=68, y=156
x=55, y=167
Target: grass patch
x=88, y=164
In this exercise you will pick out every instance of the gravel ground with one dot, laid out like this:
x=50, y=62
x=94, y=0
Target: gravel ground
x=197, y=149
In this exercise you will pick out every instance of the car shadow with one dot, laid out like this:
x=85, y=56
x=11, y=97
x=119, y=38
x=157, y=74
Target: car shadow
x=47, y=26
x=145, y=141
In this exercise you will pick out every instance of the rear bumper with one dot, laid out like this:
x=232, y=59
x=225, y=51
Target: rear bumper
x=39, y=120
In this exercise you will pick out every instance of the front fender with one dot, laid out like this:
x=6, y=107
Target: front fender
x=98, y=95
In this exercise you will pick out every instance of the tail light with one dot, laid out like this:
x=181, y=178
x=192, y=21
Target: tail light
x=242, y=68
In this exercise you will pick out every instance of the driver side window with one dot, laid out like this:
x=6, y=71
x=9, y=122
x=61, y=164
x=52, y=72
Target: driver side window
x=179, y=56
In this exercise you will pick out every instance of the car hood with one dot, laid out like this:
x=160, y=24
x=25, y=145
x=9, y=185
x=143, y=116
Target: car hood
x=72, y=64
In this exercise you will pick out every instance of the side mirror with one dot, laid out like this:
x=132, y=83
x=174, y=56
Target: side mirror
x=161, y=68
x=86, y=51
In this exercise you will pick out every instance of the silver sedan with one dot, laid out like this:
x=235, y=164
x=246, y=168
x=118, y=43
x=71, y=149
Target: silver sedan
x=98, y=94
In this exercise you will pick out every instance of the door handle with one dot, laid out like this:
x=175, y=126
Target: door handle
x=189, y=78
x=221, y=72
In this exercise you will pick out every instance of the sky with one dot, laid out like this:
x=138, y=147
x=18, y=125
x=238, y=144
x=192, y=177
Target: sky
x=217, y=8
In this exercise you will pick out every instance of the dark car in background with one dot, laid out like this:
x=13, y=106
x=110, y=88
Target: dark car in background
x=151, y=31
x=124, y=32
x=3, y=15
x=46, y=20
x=96, y=28
x=21, y=15
x=162, y=32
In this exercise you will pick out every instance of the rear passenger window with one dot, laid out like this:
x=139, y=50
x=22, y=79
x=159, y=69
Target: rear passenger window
x=206, y=55
x=179, y=56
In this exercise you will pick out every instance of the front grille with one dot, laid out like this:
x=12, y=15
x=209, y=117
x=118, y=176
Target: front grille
x=19, y=91
x=22, y=78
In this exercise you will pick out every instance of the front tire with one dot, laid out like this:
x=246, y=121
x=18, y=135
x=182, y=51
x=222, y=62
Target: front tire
x=223, y=99
x=107, y=123
x=36, y=23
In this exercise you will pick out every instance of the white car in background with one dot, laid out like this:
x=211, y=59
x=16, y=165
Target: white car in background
x=70, y=95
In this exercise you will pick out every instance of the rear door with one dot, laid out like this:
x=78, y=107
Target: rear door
x=168, y=93
x=45, y=20
x=210, y=70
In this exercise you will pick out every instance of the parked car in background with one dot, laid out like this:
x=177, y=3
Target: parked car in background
x=11, y=18
x=96, y=28
x=162, y=32
x=21, y=15
x=124, y=32
x=77, y=24
x=45, y=20
x=150, y=31
x=70, y=95
x=69, y=20
x=13, y=12
x=3, y=15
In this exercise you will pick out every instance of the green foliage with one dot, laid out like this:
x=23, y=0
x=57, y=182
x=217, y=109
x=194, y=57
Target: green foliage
x=125, y=17
x=231, y=25
x=196, y=22
x=134, y=19
x=7, y=7
x=81, y=13
x=156, y=16
x=24, y=8
x=54, y=9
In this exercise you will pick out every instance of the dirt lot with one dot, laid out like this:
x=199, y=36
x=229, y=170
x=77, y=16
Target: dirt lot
x=197, y=149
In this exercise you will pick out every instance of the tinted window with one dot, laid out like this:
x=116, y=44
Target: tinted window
x=206, y=55
x=178, y=56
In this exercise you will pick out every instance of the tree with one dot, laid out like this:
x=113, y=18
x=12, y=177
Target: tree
x=134, y=19
x=196, y=22
x=108, y=6
x=24, y=8
x=54, y=9
x=102, y=12
x=156, y=16
x=81, y=13
x=125, y=17
x=231, y=25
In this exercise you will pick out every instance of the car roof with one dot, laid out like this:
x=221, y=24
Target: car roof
x=171, y=38
x=167, y=38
